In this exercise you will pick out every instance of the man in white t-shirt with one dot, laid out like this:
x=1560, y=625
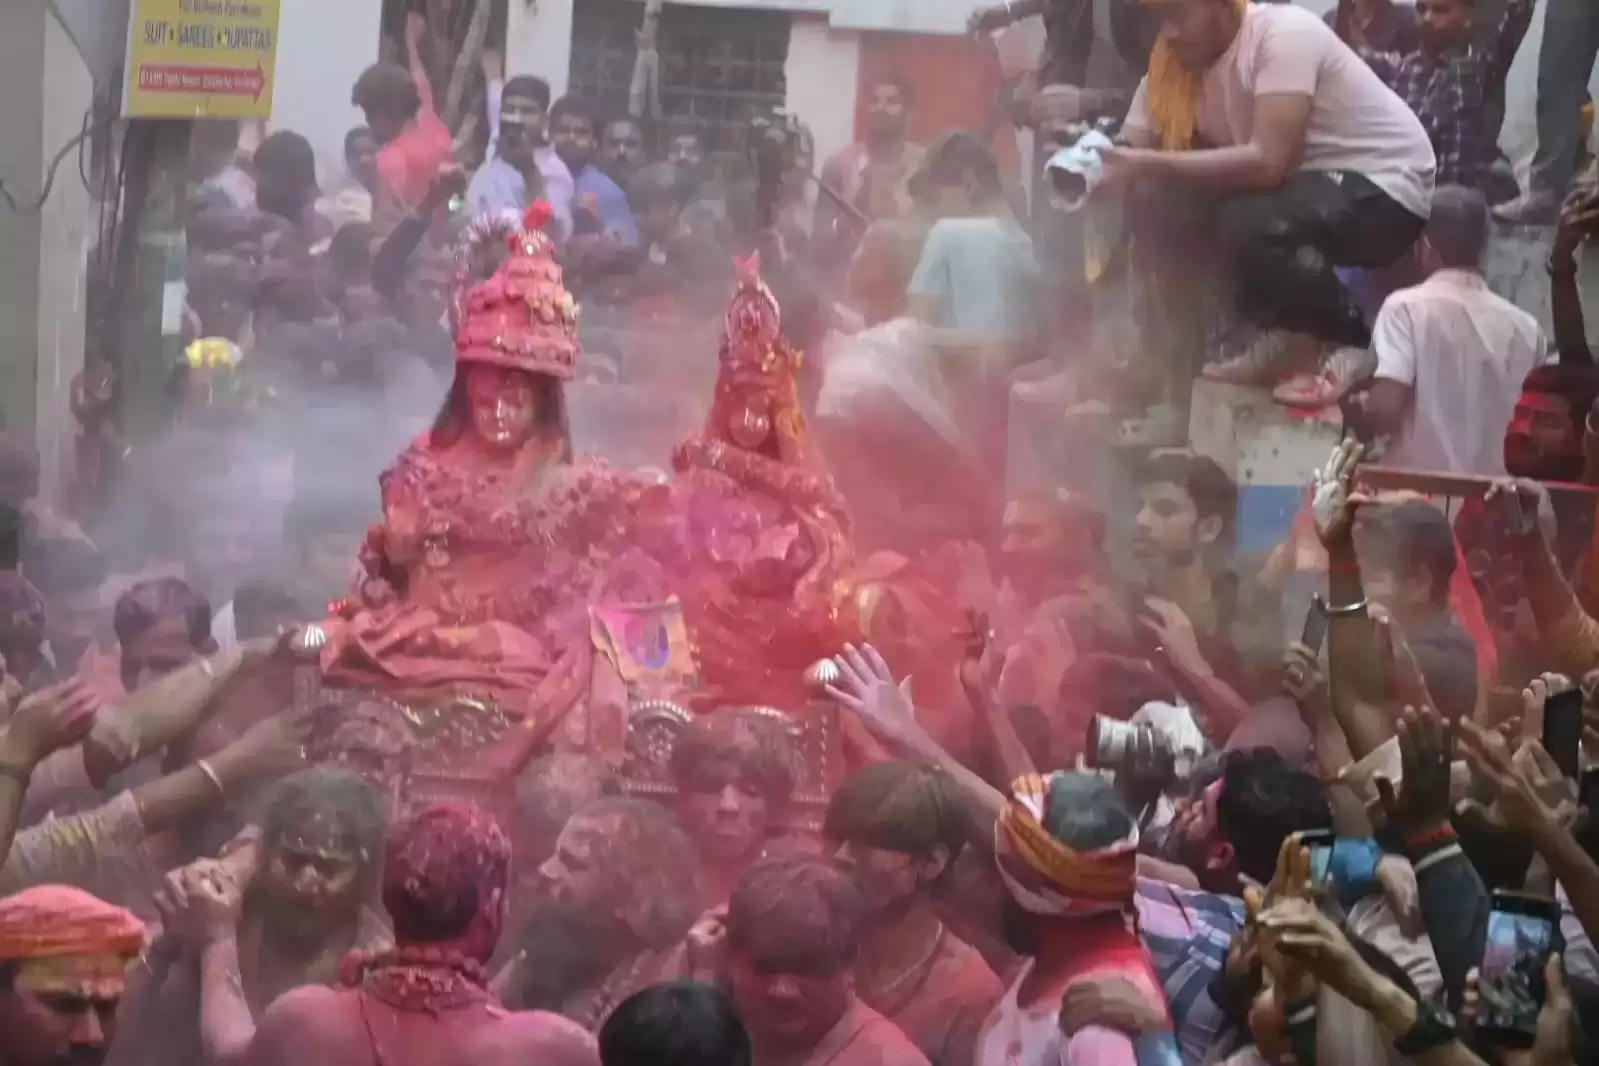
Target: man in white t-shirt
x=1312, y=161
x=1451, y=355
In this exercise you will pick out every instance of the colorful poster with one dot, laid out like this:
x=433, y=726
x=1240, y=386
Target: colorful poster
x=201, y=59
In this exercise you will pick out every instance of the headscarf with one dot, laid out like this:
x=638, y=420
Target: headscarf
x=1048, y=877
x=67, y=940
x=1172, y=95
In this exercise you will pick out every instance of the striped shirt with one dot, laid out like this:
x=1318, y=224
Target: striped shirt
x=1187, y=934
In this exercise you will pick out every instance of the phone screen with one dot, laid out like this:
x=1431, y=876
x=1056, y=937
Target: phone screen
x=1319, y=843
x=1521, y=933
x=1562, y=729
x=1315, y=630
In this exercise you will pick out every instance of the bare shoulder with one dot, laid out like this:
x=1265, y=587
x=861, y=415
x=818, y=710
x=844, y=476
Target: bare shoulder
x=310, y=1017
x=552, y=1040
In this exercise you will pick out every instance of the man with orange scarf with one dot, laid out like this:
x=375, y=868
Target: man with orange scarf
x=1312, y=162
x=63, y=954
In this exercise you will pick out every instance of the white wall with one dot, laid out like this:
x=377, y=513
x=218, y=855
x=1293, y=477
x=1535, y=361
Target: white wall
x=538, y=40
x=822, y=68
x=323, y=45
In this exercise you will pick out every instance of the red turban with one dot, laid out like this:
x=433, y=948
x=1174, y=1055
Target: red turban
x=55, y=921
x=443, y=868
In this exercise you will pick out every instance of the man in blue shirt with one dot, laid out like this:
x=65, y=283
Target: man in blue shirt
x=599, y=205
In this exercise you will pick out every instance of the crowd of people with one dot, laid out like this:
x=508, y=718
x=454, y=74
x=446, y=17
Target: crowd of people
x=1105, y=789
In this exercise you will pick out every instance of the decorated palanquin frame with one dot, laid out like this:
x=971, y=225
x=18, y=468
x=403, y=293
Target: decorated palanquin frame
x=420, y=754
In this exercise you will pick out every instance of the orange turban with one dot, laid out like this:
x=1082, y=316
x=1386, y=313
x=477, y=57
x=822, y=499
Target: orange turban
x=56, y=921
x=1046, y=876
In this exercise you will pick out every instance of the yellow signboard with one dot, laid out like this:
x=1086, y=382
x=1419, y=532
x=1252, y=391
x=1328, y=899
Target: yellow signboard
x=201, y=59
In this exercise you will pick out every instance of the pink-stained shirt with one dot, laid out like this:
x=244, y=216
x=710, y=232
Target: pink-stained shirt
x=408, y=164
x=1017, y=1035
x=942, y=1009
x=862, y=1037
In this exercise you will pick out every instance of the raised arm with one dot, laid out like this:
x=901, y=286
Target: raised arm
x=1571, y=637
x=1354, y=660
x=867, y=689
x=1579, y=220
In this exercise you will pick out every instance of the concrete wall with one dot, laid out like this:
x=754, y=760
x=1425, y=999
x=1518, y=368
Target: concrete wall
x=66, y=235
x=323, y=45
x=22, y=67
x=823, y=65
x=538, y=40
x=42, y=252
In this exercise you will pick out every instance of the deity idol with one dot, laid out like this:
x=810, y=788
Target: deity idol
x=506, y=575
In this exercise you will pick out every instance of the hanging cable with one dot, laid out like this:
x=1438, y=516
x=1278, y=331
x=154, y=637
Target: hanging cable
x=33, y=207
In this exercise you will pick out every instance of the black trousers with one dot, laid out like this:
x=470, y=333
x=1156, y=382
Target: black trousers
x=1284, y=243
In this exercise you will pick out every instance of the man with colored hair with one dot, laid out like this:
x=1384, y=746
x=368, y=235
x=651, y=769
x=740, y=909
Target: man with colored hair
x=792, y=929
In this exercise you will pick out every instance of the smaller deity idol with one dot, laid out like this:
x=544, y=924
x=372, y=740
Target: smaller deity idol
x=493, y=542
x=768, y=589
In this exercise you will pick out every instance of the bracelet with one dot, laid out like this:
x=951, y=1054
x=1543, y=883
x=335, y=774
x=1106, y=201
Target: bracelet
x=211, y=775
x=1346, y=610
x=1436, y=837
x=1343, y=568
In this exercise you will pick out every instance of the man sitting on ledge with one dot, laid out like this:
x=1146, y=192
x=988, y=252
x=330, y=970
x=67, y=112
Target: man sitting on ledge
x=1308, y=161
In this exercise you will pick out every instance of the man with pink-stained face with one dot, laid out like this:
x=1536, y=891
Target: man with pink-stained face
x=894, y=829
x=792, y=927
x=426, y=1002
x=734, y=773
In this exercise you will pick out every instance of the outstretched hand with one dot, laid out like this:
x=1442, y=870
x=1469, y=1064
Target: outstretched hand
x=866, y=687
x=47, y=721
x=1426, y=751
x=1333, y=499
x=1523, y=787
x=1517, y=502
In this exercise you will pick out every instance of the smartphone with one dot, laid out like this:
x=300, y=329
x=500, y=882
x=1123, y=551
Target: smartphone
x=1588, y=791
x=1315, y=630
x=1510, y=988
x=1320, y=844
x=1562, y=730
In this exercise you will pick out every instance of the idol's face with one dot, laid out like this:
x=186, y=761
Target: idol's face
x=503, y=405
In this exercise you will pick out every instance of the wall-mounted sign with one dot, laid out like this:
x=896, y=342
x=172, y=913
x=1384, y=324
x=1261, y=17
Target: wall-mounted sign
x=201, y=58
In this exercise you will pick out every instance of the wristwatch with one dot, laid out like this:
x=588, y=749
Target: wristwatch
x=1431, y=1029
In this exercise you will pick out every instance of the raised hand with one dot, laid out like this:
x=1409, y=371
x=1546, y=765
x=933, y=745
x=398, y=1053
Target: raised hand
x=1524, y=798
x=866, y=687
x=47, y=721
x=1302, y=674
x=1426, y=750
x=1517, y=502
x=1333, y=500
x=1298, y=932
